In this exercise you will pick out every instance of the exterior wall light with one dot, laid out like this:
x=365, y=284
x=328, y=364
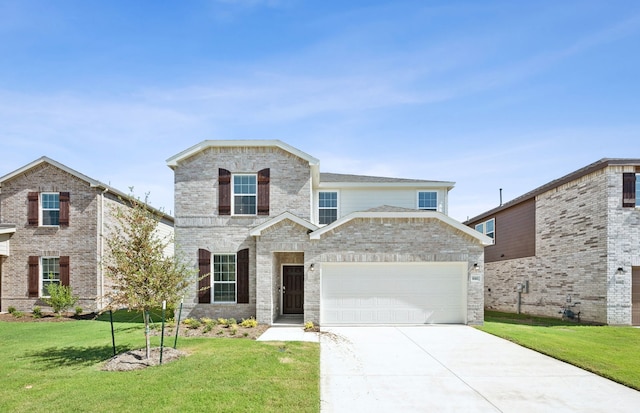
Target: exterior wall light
x=312, y=267
x=620, y=271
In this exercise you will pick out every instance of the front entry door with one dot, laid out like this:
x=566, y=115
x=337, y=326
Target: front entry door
x=635, y=296
x=293, y=289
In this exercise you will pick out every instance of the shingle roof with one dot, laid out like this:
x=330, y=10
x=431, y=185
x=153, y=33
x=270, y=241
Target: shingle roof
x=332, y=177
x=595, y=166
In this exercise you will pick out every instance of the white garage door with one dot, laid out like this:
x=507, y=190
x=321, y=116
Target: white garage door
x=393, y=293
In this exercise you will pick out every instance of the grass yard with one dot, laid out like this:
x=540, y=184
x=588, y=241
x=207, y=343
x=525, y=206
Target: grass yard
x=56, y=366
x=611, y=352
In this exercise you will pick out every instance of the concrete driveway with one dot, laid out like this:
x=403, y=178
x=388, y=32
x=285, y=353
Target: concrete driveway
x=454, y=369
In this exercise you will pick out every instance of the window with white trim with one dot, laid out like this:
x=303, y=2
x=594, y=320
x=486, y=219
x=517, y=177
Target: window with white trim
x=488, y=228
x=50, y=208
x=50, y=274
x=224, y=278
x=245, y=194
x=327, y=207
x=428, y=200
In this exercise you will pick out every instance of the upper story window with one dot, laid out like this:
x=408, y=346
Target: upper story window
x=327, y=207
x=630, y=190
x=50, y=208
x=488, y=228
x=245, y=194
x=428, y=200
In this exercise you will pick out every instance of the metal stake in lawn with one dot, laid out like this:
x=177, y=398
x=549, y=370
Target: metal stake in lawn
x=113, y=337
x=175, y=342
x=164, y=307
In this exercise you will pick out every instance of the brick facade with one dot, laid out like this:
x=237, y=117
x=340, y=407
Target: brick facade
x=583, y=235
x=283, y=241
x=90, y=217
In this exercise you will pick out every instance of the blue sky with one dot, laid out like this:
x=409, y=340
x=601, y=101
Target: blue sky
x=489, y=94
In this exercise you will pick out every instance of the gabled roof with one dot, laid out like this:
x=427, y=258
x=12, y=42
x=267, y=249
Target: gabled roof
x=92, y=182
x=600, y=164
x=394, y=212
x=256, y=143
x=257, y=231
x=345, y=180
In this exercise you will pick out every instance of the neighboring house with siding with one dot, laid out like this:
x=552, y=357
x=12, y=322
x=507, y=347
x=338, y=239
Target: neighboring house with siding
x=52, y=225
x=273, y=237
x=575, y=239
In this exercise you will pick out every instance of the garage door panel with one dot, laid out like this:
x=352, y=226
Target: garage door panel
x=385, y=293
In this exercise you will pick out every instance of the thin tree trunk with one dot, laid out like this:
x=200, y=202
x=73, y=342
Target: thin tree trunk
x=146, y=334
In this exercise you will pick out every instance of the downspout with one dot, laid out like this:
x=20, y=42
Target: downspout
x=101, y=258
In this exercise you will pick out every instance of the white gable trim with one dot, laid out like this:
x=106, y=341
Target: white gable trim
x=410, y=214
x=174, y=160
x=257, y=231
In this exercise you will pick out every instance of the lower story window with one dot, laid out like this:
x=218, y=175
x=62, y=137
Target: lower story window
x=50, y=273
x=224, y=278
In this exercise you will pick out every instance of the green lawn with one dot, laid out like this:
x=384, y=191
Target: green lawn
x=56, y=367
x=611, y=352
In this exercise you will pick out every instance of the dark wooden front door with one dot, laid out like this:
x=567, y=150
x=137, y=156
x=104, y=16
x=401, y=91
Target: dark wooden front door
x=293, y=289
x=635, y=296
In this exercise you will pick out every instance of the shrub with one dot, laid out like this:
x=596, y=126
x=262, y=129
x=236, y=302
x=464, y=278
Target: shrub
x=309, y=326
x=18, y=314
x=37, y=312
x=231, y=322
x=249, y=322
x=208, y=324
x=60, y=298
x=11, y=309
x=78, y=310
x=223, y=322
x=233, y=329
x=192, y=323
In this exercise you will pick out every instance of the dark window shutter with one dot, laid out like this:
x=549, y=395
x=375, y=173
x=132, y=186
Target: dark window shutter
x=32, y=213
x=64, y=209
x=224, y=192
x=204, y=272
x=629, y=189
x=64, y=270
x=34, y=276
x=242, y=276
x=263, y=191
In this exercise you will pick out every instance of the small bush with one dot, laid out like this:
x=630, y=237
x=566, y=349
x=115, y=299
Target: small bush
x=18, y=314
x=60, y=298
x=223, y=322
x=192, y=323
x=309, y=326
x=11, y=309
x=208, y=324
x=231, y=322
x=233, y=329
x=249, y=322
x=37, y=312
x=78, y=310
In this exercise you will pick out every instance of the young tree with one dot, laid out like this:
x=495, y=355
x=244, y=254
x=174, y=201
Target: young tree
x=142, y=275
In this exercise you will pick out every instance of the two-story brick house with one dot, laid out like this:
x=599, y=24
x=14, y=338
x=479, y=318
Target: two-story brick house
x=575, y=239
x=273, y=236
x=53, y=223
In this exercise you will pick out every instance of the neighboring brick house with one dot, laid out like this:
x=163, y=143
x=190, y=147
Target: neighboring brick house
x=52, y=222
x=575, y=239
x=273, y=236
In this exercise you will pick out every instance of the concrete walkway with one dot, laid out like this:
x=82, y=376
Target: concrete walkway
x=288, y=334
x=454, y=369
